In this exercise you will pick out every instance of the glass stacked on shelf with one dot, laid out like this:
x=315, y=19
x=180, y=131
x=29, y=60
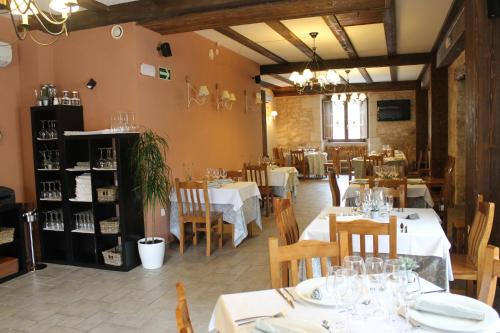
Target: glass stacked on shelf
x=50, y=190
x=106, y=160
x=84, y=222
x=50, y=159
x=48, y=131
x=123, y=122
x=53, y=220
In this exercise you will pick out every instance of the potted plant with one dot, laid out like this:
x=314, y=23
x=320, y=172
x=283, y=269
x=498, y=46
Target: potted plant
x=152, y=180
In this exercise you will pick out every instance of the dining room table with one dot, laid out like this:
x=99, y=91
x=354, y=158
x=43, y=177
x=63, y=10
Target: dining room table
x=283, y=180
x=399, y=159
x=239, y=203
x=315, y=160
x=243, y=312
x=421, y=240
x=418, y=194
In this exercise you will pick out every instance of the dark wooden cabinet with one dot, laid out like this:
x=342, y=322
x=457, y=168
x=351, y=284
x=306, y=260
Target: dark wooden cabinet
x=69, y=243
x=12, y=254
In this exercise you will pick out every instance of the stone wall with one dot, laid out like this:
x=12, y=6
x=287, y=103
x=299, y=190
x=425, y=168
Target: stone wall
x=395, y=133
x=456, y=128
x=298, y=122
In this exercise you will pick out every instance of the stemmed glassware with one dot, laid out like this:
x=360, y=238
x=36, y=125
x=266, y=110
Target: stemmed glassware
x=389, y=202
x=50, y=159
x=357, y=199
x=54, y=220
x=42, y=134
x=84, y=221
x=51, y=190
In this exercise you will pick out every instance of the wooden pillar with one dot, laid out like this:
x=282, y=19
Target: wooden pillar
x=263, y=108
x=421, y=118
x=482, y=56
x=439, y=119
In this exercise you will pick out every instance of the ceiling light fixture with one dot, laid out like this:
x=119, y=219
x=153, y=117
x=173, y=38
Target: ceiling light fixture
x=313, y=79
x=52, y=22
x=346, y=96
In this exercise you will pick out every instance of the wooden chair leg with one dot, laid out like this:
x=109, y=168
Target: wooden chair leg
x=195, y=234
x=232, y=236
x=181, y=237
x=220, y=232
x=208, y=231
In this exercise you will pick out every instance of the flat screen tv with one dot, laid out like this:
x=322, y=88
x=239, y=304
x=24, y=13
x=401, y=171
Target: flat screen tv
x=394, y=110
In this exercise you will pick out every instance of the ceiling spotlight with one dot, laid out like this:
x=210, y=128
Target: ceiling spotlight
x=91, y=84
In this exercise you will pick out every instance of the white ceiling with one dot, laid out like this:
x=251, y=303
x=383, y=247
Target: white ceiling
x=417, y=25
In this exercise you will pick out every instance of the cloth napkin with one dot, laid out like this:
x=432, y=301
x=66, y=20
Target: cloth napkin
x=280, y=325
x=441, y=307
x=413, y=216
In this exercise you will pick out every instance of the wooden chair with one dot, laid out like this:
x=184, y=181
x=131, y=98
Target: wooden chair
x=285, y=220
x=182, y=312
x=290, y=255
x=363, y=228
x=259, y=175
x=422, y=168
x=397, y=188
x=334, y=188
x=279, y=156
x=235, y=175
x=456, y=230
x=370, y=161
x=444, y=198
x=333, y=161
x=299, y=161
x=489, y=275
x=466, y=266
x=197, y=211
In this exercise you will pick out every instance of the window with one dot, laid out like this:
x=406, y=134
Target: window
x=346, y=122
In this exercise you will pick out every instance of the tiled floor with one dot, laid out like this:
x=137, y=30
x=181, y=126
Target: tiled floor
x=72, y=299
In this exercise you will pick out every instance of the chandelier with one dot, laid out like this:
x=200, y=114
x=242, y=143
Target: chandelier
x=53, y=21
x=346, y=96
x=312, y=79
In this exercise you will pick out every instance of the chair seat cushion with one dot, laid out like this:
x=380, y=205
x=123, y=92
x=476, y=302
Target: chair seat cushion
x=463, y=268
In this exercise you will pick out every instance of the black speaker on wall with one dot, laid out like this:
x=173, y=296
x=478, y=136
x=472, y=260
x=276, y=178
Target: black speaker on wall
x=164, y=49
x=493, y=8
x=257, y=79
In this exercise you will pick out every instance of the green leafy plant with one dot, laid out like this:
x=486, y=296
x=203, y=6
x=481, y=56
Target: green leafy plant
x=151, y=173
x=409, y=264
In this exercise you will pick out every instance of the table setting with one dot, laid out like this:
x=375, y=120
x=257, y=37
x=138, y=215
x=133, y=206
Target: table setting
x=421, y=238
x=375, y=295
x=239, y=203
x=399, y=160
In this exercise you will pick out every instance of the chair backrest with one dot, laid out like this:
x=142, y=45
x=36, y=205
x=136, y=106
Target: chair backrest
x=370, y=161
x=363, y=228
x=480, y=232
x=182, y=312
x=289, y=256
x=297, y=156
x=279, y=156
x=487, y=279
x=397, y=188
x=257, y=174
x=235, y=175
x=285, y=220
x=191, y=205
x=334, y=187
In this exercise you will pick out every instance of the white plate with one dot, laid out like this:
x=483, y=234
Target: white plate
x=450, y=324
x=305, y=288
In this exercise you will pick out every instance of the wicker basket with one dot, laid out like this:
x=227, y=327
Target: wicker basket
x=113, y=256
x=6, y=235
x=106, y=194
x=110, y=226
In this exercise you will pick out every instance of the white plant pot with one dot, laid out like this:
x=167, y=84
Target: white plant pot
x=152, y=254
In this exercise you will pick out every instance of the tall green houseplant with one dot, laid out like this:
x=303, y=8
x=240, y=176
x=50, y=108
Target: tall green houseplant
x=151, y=173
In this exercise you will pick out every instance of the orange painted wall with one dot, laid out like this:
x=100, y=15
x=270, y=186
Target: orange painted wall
x=199, y=138
x=11, y=171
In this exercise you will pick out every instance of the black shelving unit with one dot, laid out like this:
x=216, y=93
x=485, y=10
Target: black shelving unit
x=10, y=216
x=76, y=247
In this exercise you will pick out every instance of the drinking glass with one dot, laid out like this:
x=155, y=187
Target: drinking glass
x=389, y=202
x=330, y=279
x=57, y=164
x=42, y=134
x=356, y=264
x=101, y=162
x=357, y=199
x=411, y=292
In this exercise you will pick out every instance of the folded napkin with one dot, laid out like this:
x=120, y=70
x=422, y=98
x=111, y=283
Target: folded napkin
x=440, y=307
x=413, y=216
x=280, y=325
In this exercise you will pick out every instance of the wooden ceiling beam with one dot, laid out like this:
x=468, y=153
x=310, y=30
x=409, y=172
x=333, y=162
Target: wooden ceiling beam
x=268, y=85
x=390, y=34
x=93, y=5
x=370, y=16
x=291, y=37
x=339, y=33
x=228, y=32
x=173, y=16
x=377, y=61
x=358, y=87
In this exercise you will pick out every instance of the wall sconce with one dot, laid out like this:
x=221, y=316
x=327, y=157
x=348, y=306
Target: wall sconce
x=274, y=114
x=226, y=99
x=198, y=95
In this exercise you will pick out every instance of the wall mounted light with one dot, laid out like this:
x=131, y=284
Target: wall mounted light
x=91, y=84
x=225, y=100
x=197, y=95
x=274, y=114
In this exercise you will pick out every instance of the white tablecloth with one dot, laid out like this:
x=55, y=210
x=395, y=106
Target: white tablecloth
x=425, y=237
x=283, y=180
x=414, y=191
x=358, y=163
x=232, y=307
x=316, y=161
x=239, y=203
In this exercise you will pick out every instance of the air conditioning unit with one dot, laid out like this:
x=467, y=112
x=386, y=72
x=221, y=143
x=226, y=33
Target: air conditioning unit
x=5, y=54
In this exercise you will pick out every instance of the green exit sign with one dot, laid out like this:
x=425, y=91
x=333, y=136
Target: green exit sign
x=165, y=73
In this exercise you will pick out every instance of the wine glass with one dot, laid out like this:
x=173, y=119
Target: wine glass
x=356, y=264
x=357, y=199
x=389, y=202
x=410, y=294
x=330, y=279
x=42, y=134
